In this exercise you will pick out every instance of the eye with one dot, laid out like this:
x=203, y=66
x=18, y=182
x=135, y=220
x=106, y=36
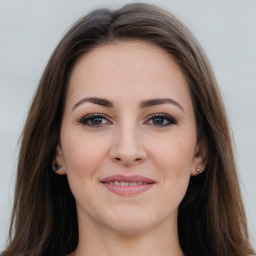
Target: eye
x=161, y=120
x=94, y=120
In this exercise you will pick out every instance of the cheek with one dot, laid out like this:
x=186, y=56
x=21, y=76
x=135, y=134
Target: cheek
x=82, y=155
x=174, y=155
x=173, y=158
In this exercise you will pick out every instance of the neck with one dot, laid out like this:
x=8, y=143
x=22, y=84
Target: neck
x=161, y=240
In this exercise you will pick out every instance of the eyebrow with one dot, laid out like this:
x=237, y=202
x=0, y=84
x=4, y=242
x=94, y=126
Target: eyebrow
x=143, y=104
x=154, y=102
x=94, y=100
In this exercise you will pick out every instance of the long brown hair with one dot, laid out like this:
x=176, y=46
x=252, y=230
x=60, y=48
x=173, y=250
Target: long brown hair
x=211, y=218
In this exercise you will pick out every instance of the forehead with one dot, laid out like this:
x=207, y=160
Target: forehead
x=131, y=56
x=127, y=69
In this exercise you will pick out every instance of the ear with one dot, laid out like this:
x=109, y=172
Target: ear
x=200, y=158
x=58, y=163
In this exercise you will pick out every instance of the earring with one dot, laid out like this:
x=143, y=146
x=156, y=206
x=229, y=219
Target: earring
x=198, y=170
x=56, y=167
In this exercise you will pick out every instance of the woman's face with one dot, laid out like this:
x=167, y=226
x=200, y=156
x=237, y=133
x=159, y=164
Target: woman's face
x=128, y=137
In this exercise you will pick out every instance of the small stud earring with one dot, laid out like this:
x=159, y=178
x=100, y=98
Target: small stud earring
x=56, y=167
x=198, y=170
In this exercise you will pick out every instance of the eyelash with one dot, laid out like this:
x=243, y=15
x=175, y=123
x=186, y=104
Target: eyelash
x=166, y=117
x=84, y=120
x=90, y=117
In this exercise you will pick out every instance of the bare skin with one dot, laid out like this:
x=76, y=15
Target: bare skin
x=128, y=134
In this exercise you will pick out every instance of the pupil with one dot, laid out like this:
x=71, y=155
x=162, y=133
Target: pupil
x=96, y=120
x=158, y=120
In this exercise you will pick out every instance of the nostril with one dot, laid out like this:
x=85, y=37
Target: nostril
x=135, y=160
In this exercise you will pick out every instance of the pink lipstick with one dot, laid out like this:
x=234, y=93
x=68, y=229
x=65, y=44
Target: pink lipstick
x=127, y=185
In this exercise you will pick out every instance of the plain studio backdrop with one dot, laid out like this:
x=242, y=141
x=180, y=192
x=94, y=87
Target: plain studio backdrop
x=30, y=30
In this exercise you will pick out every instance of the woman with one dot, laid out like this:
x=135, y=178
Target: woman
x=126, y=149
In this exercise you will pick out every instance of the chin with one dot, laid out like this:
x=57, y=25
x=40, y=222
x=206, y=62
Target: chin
x=134, y=222
x=131, y=227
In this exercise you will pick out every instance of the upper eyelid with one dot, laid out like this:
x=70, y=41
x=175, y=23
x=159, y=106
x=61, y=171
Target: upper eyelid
x=102, y=115
x=93, y=115
x=90, y=116
x=160, y=114
x=163, y=115
x=107, y=117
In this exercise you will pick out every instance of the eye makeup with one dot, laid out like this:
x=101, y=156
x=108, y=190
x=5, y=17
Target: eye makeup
x=100, y=119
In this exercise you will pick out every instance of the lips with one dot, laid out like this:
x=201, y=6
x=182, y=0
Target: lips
x=128, y=179
x=127, y=185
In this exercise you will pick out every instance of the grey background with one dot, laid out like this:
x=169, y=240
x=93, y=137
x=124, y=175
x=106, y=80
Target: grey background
x=30, y=30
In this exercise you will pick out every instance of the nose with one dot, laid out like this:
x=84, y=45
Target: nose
x=127, y=148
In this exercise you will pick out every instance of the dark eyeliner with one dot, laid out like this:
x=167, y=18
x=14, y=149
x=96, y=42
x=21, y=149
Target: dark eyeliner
x=85, y=119
x=170, y=119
